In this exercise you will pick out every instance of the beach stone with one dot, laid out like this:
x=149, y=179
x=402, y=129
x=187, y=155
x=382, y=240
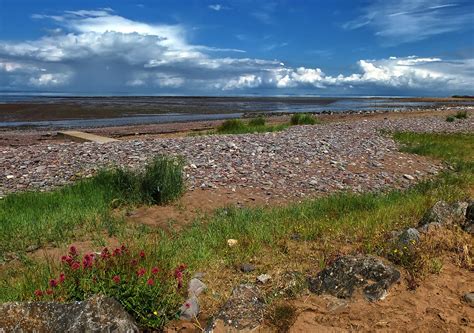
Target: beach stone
x=348, y=273
x=263, y=278
x=97, y=314
x=469, y=298
x=409, y=177
x=196, y=287
x=244, y=310
x=190, y=309
x=247, y=268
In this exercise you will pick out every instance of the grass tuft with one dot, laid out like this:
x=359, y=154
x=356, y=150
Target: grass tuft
x=303, y=119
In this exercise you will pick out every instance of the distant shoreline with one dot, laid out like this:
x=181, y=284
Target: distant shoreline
x=88, y=112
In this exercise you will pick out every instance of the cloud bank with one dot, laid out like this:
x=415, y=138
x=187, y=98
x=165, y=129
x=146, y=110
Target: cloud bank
x=402, y=21
x=100, y=51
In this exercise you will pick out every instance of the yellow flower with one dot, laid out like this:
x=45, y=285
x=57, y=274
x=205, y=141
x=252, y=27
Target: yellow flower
x=155, y=313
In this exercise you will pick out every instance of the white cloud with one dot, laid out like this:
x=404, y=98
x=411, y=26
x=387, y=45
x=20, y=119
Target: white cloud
x=103, y=51
x=217, y=7
x=49, y=79
x=400, y=21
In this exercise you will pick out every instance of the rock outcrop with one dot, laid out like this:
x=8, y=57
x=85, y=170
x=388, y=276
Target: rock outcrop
x=97, y=314
x=348, y=273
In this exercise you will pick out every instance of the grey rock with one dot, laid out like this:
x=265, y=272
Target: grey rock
x=244, y=310
x=469, y=298
x=444, y=214
x=348, y=273
x=468, y=224
x=196, y=287
x=190, y=309
x=247, y=268
x=97, y=314
x=409, y=237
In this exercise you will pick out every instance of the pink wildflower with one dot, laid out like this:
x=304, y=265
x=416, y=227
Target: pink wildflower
x=155, y=270
x=73, y=251
x=141, y=272
x=38, y=293
x=116, y=279
x=53, y=283
x=150, y=282
x=62, y=277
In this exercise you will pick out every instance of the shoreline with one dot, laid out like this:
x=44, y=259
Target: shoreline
x=22, y=136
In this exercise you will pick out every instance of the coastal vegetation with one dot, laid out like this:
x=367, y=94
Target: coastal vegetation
x=303, y=119
x=315, y=230
x=458, y=115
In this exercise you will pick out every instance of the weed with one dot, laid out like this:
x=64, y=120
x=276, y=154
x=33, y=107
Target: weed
x=282, y=317
x=436, y=265
x=450, y=119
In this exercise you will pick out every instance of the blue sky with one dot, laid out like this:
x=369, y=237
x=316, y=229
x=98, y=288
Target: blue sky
x=338, y=47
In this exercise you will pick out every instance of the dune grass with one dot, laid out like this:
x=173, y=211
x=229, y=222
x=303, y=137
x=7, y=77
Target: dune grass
x=362, y=220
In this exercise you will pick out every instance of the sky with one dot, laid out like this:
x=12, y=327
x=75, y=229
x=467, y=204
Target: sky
x=240, y=47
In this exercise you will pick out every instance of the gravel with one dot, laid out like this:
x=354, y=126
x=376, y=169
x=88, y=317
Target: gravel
x=301, y=161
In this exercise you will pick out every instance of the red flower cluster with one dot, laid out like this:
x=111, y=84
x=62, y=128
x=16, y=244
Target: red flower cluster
x=141, y=272
x=88, y=261
x=178, y=274
x=108, y=264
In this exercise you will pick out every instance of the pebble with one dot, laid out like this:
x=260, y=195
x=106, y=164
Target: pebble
x=247, y=268
x=293, y=163
x=469, y=298
x=232, y=242
x=263, y=278
x=409, y=177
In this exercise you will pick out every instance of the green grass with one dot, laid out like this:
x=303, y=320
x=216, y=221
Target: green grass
x=362, y=220
x=461, y=115
x=256, y=125
x=303, y=119
x=453, y=148
x=458, y=115
x=40, y=218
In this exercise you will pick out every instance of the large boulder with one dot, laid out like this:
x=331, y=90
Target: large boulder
x=348, y=273
x=243, y=312
x=443, y=213
x=97, y=314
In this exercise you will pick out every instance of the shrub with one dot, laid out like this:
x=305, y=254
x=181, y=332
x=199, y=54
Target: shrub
x=231, y=125
x=259, y=121
x=450, y=119
x=151, y=295
x=302, y=119
x=461, y=115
